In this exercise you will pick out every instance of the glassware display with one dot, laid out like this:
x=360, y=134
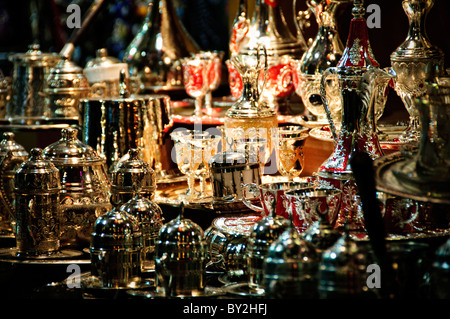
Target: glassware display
x=194, y=149
x=415, y=61
x=324, y=52
x=289, y=150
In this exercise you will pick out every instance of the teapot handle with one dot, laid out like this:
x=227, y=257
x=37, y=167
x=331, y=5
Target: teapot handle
x=323, y=96
x=262, y=85
x=252, y=188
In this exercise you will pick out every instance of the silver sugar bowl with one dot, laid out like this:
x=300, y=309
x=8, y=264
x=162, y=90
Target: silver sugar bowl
x=37, y=210
x=150, y=219
x=115, y=250
x=132, y=174
x=85, y=193
x=66, y=85
x=181, y=254
x=12, y=155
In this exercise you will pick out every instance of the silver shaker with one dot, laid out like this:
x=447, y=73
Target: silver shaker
x=115, y=250
x=38, y=215
x=181, y=255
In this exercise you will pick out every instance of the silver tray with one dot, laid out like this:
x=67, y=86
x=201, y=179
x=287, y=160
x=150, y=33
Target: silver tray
x=387, y=182
x=61, y=257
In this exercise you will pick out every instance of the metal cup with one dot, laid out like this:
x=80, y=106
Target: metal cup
x=229, y=173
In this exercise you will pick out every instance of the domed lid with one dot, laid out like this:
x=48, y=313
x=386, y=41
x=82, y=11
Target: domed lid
x=268, y=229
x=69, y=150
x=148, y=213
x=131, y=172
x=35, y=56
x=102, y=59
x=114, y=230
x=181, y=232
x=67, y=75
x=37, y=174
x=8, y=144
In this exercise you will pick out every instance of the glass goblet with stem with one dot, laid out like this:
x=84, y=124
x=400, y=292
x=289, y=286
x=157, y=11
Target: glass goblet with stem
x=289, y=149
x=195, y=80
x=214, y=75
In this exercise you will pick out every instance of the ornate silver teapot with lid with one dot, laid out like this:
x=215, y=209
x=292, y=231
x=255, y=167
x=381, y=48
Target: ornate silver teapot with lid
x=85, y=193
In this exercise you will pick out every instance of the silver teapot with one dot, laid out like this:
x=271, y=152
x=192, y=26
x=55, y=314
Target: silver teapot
x=85, y=193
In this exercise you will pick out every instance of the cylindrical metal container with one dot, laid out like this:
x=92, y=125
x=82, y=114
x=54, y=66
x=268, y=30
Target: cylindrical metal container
x=85, y=193
x=180, y=259
x=229, y=173
x=12, y=155
x=38, y=214
x=130, y=176
x=115, y=249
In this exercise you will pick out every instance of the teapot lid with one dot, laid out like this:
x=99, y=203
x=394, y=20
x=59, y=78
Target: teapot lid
x=8, y=144
x=102, y=59
x=69, y=150
x=148, y=213
x=37, y=174
x=116, y=229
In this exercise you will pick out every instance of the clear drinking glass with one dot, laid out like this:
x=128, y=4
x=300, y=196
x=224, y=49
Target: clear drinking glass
x=194, y=149
x=213, y=75
x=289, y=150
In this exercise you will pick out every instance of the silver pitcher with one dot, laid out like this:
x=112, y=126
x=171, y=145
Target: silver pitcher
x=85, y=193
x=180, y=259
x=31, y=69
x=115, y=249
x=12, y=155
x=37, y=207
